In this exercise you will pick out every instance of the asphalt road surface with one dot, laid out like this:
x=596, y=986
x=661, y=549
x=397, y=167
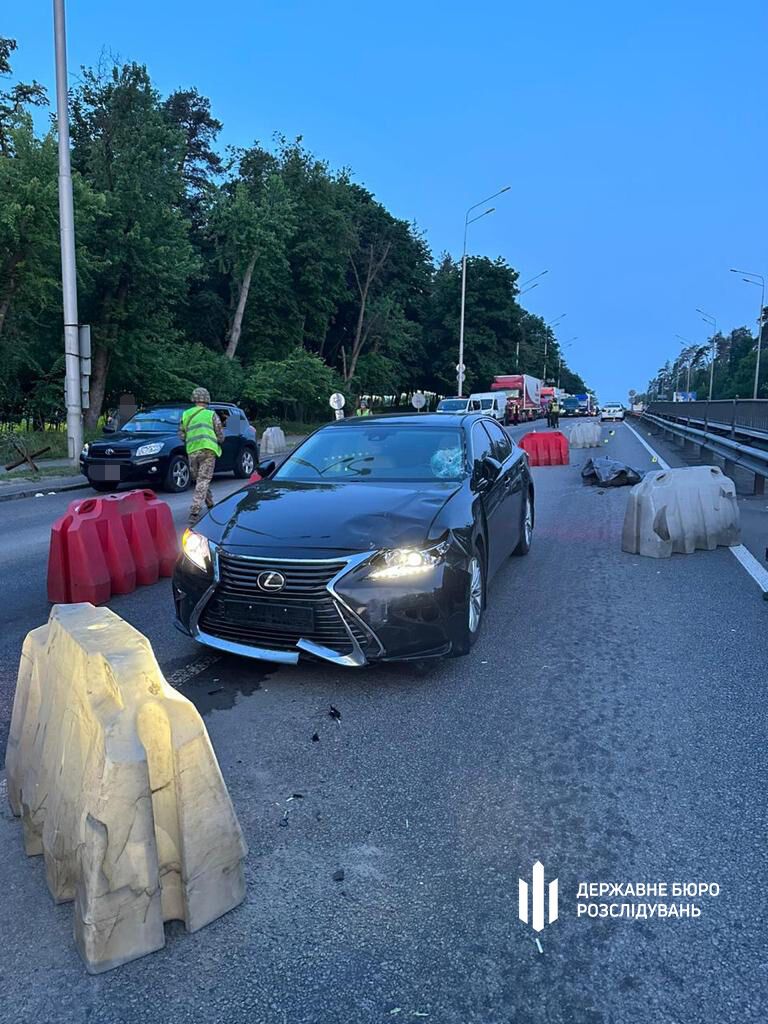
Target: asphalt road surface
x=610, y=722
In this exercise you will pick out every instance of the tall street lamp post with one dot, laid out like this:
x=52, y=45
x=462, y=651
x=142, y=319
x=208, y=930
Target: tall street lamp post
x=523, y=290
x=713, y=321
x=467, y=222
x=549, y=327
x=688, y=363
x=67, y=237
x=759, y=280
x=560, y=355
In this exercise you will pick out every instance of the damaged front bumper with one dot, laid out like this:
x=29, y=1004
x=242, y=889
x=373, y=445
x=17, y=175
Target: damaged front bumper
x=351, y=619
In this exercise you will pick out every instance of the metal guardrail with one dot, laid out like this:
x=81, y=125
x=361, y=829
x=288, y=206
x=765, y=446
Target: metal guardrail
x=733, y=452
x=745, y=416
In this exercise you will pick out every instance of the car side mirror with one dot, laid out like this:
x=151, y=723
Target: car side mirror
x=266, y=469
x=486, y=472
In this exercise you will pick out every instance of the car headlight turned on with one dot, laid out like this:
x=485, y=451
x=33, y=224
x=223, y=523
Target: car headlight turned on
x=399, y=563
x=195, y=548
x=150, y=449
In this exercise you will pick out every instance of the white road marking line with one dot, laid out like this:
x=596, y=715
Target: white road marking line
x=662, y=463
x=539, y=945
x=753, y=567
x=742, y=555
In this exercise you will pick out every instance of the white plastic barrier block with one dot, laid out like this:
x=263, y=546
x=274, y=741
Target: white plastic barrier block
x=680, y=510
x=117, y=785
x=585, y=435
x=272, y=441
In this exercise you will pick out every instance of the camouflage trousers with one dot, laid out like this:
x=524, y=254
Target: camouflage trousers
x=201, y=466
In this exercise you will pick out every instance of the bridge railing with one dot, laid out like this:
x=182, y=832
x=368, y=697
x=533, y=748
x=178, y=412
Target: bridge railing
x=735, y=431
x=735, y=415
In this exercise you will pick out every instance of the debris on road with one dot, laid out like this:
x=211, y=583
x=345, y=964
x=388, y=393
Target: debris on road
x=609, y=473
x=315, y=738
x=338, y=876
x=335, y=714
x=284, y=820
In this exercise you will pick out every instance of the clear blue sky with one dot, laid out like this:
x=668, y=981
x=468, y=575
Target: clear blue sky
x=633, y=135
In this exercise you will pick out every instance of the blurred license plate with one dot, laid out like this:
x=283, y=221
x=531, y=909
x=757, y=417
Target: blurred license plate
x=264, y=613
x=108, y=473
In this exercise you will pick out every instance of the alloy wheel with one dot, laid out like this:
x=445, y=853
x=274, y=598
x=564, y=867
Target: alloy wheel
x=247, y=462
x=528, y=521
x=181, y=475
x=475, y=594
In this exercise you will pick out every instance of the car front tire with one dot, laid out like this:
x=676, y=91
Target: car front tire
x=526, y=528
x=177, y=476
x=474, y=606
x=246, y=463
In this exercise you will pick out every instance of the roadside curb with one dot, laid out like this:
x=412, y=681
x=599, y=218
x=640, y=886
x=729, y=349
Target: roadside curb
x=32, y=491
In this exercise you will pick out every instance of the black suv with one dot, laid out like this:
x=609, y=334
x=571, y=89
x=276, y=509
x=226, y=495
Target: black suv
x=148, y=448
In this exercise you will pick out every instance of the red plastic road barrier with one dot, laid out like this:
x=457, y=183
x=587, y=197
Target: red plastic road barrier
x=105, y=546
x=545, y=449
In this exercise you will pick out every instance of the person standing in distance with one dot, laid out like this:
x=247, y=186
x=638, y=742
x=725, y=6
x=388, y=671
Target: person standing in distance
x=202, y=434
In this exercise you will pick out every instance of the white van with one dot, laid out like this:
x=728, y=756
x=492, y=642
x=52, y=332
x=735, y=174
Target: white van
x=469, y=403
x=492, y=403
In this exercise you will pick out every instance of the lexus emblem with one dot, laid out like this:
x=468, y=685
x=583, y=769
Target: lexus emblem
x=270, y=581
x=109, y=451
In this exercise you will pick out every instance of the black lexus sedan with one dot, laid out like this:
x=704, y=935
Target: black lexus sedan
x=148, y=449
x=374, y=540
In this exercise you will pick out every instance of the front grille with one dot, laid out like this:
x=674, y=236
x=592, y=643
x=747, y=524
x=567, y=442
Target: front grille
x=114, y=453
x=305, y=588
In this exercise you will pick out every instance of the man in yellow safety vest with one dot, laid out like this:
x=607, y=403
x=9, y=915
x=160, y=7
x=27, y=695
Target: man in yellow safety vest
x=202, y=434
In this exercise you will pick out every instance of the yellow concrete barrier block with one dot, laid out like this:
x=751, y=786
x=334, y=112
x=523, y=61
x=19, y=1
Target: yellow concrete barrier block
x=117, y=786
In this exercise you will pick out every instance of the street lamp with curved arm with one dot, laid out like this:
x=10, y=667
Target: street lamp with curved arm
x=549, y=327
x=467, y=222
x=758, y=280
x=690, y=345
x=710, y=320
x=568, y=344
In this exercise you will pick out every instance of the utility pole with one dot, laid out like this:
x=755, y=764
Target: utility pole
x=67, y=236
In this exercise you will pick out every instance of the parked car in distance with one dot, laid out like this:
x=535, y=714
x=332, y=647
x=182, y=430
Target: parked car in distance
x=612, y=411
x=373, y=541
x=468, y=403
x=148, y=449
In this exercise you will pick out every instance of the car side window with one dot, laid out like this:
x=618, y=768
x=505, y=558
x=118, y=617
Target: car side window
x=481, y=443
x=501, y=446
x=229, y=420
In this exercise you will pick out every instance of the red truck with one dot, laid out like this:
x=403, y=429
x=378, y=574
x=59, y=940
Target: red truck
x=523, y=393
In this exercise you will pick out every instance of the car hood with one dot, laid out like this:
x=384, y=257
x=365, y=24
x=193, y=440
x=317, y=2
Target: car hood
x=123, y=437
x=294, y=519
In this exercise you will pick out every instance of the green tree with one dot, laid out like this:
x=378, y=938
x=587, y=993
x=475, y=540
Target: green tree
x=296, y=386
x=140, y=253
x=15, y=100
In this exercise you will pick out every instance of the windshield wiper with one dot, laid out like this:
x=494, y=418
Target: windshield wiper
x=347, y=463
x=303, y=462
